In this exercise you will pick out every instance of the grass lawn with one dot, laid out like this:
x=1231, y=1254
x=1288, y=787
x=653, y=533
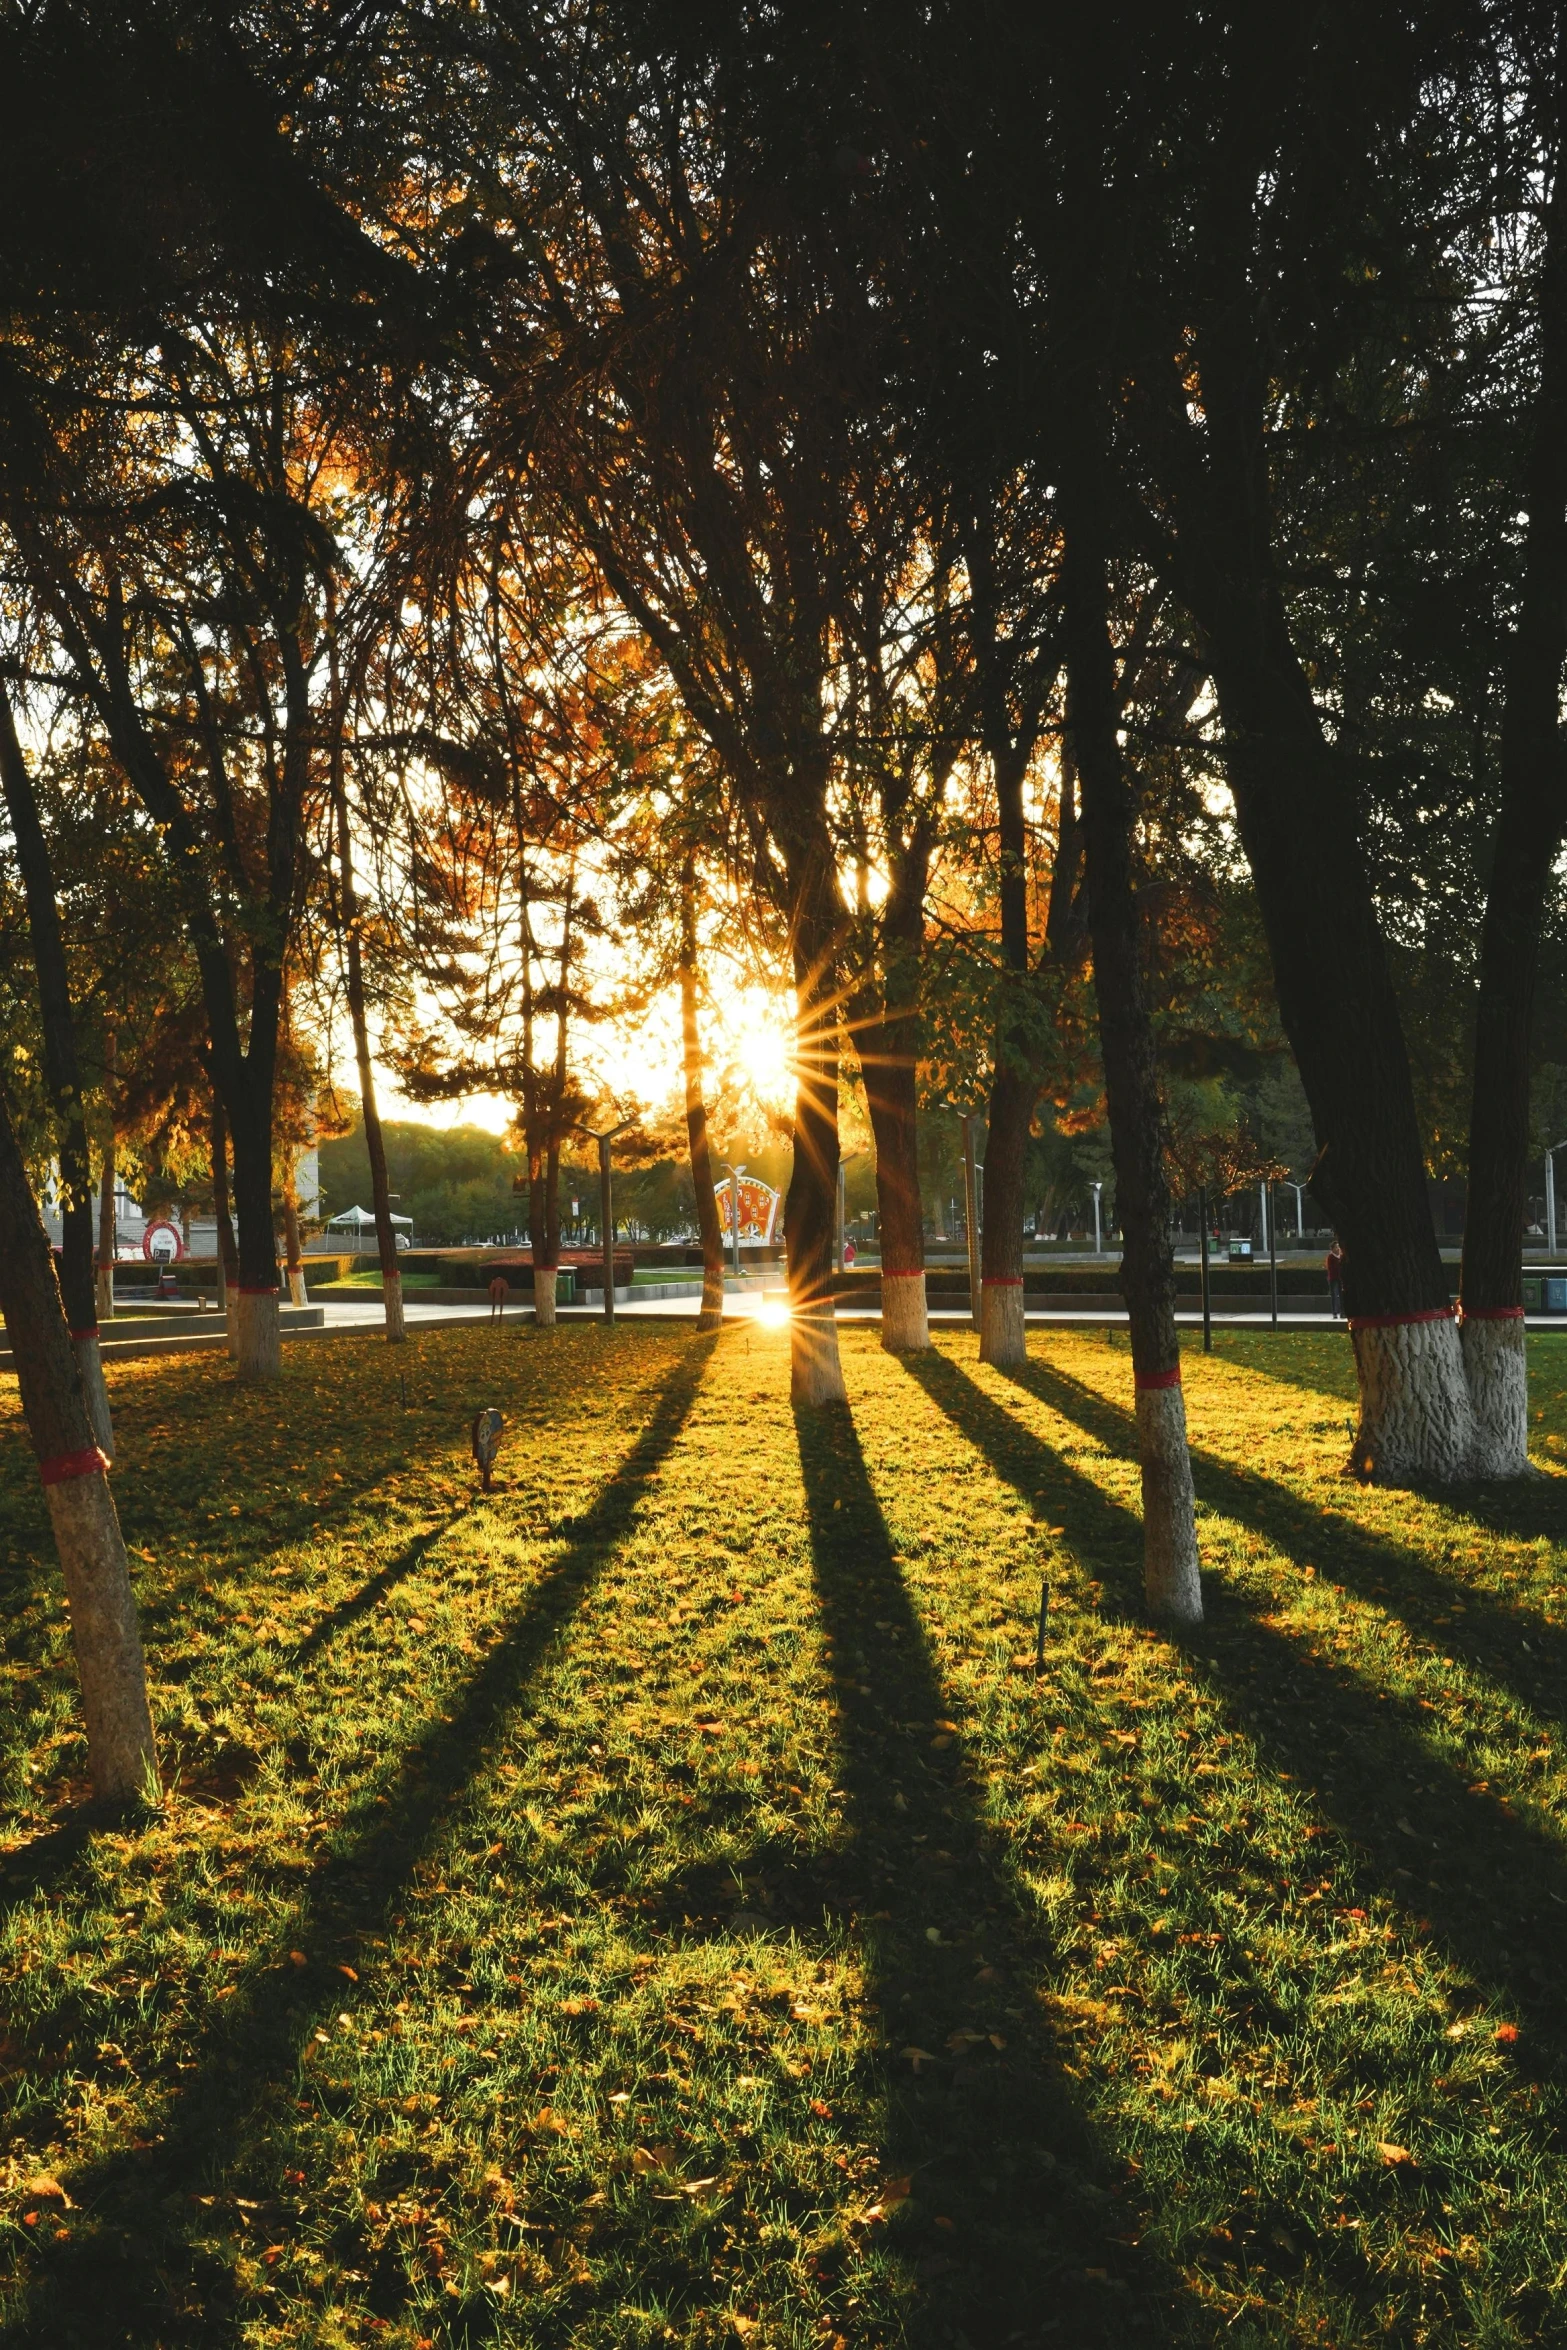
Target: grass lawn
x=657, y=1903
x=372, y=1280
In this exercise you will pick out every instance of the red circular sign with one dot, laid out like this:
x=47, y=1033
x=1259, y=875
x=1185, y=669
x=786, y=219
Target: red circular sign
x=162, y=1229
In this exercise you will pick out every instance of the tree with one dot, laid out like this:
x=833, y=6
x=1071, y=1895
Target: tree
x=104, y=1629
x=62, y=1073
x=694, y=357
x=182, y=569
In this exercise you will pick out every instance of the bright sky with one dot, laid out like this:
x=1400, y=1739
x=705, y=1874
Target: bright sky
x=744, y=1027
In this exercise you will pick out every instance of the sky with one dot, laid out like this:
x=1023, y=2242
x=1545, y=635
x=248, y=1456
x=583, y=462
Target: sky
x=744, y=1026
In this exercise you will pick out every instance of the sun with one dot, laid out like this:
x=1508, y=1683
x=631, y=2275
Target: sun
x=755, y=1030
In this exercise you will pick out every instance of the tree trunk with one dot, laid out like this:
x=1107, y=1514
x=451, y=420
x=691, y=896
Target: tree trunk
x=547, y=1274
x=891, y=1098
x=1001, y=1328
x=711, y=1314
x=1527, y=841
x=105, y=1634
x=108, y=1220
x=258, y=1356
x=887, y=1042
x=1013, y=1090
x=810, y=1209
x=1335, y=992
x=1172, y=1580
x=293, y=1250
x=1339, y=1011
x=538, y=1218
x=228, y=1251
x=375, y=1147
x=62, y=1074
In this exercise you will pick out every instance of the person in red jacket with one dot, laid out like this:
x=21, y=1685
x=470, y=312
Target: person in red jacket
x=1333, y=1266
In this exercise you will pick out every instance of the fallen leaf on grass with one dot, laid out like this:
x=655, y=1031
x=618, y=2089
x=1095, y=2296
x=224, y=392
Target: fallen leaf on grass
x=1395, y=2156
x=918, y=2056
x=888, y=2197
x=47, y=2189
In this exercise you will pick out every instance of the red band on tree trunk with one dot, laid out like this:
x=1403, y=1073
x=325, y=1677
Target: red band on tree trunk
x=66, y=1465
x=1001, y=1281
x=91, y=1331
x=1157, y=1379
x=256, y=1288
x=1399, y=1321
x=897, y=1273
x=1493, y=1313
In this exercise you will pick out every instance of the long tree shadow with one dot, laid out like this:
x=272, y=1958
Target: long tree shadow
x=979, y=2108
x=1510, y=1641
x=359, y=1603
x=132, y=2250
x=1493, y=1885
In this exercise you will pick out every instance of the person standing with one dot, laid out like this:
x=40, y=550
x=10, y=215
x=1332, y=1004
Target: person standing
x=1333, y=1266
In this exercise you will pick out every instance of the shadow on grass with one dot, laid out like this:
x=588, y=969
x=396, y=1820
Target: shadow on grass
x=995, y=2135
x=238, y=2096
x=1493, y=1886
x=1512, y=1643
x=386, y=1577
x=1327, y=1370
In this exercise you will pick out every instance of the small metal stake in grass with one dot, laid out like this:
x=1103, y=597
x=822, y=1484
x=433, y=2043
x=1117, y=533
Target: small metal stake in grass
x=402, y=1388
x=1044, y=1615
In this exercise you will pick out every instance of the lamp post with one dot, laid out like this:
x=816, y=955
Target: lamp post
x=607, y=1206
x=1273, y=1252
x=1207, y=1298
x=1299, y=1189
x=1550, y=1197
x=1096, y=1186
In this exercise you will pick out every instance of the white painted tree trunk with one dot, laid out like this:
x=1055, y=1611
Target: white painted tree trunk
x=105, y=1636
x=1417, y=1424
x=1496, y=1365
x=815, y=1371
x=257, y=1336
x=905, y=1321
x=298, y=1295
x=226, y=1309
x=89, y=1363
x=710, y=1315
x=1001, y=1329
x=544, y=1296
x=1172, y=1580
x=392, y=1304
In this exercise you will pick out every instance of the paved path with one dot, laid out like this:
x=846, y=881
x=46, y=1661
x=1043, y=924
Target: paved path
x=343, y=1319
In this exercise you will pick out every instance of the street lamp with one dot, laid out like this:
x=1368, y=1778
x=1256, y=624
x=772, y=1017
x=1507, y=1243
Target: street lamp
x=1096, y=1186
x=1299, y=1189
x=607, y=1206
x=1550, y=1196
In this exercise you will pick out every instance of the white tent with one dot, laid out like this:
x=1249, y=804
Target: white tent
x=363, y=1220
